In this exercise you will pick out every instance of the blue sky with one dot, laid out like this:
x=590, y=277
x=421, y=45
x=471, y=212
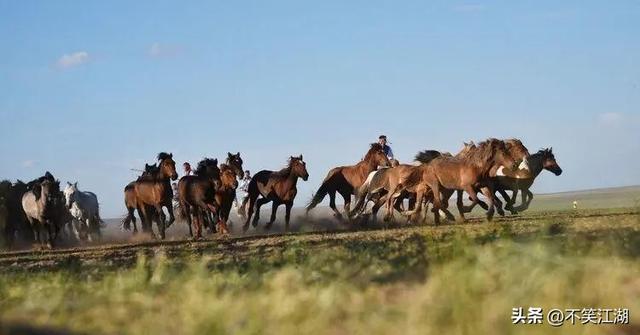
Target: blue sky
x=89, y=90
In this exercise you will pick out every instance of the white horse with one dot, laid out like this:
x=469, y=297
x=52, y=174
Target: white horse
x=85, y=210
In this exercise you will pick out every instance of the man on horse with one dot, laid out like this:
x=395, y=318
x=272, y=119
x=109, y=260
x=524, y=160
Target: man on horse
x=243, y=189
x=382, y=139
x=187, y=169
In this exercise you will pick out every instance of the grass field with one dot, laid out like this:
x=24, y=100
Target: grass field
x=450, y=279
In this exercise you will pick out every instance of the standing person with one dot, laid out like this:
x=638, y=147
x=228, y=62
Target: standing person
x=187, y=169
x=243, y=189
x=382, y=139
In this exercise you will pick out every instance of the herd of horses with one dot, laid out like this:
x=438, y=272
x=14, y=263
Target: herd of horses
x=38, y=210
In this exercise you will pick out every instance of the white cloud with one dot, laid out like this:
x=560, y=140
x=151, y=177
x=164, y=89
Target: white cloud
x=28, y=163
x=157, y=50
x=74, y=59
x=610, y=118
x=468, y=8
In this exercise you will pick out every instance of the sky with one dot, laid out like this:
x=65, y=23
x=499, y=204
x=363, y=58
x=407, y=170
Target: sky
x=92, y=89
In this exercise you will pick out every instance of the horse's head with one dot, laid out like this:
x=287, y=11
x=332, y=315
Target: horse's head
x=236, y=163
x=549, y=162
x=377, y=155
x=70, y=193
x=517, y=150
x=501, y=155
x=48, y=190
x=167, y=166
x=228, y=177
x=298, y=167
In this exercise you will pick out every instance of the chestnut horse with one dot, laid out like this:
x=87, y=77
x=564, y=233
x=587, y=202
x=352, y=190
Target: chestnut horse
x=276, y=186
x=468, y=173
x=196, y=194
x=154, y=191
x=131, y=201
x=347, y=179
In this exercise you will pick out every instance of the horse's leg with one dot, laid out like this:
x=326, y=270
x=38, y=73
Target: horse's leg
x=259, y=204
x=145, y=220
x=89, y=238
x=186, y=213
x=529, y=198
x=460, y=205
x=506, y=198
x=198, y=222
x=274, y=210
x=514, y=197
x=489, y=193
x=347, y=202
x=172, y=217
x=251, y=204
x=50, y=232
x=437, y=202
x=287, y=215
x=332, y=204
x=162, y=222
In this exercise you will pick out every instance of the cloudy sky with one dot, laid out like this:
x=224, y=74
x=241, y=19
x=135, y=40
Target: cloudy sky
x=90, y=90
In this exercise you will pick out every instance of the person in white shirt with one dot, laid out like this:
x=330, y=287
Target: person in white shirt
x=242, y=192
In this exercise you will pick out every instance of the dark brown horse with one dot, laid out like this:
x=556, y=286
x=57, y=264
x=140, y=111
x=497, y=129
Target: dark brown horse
x=196, y=194
x=347, y=179
x=225, y=194
x=521, y=180
x=276, y=186
x=154, y=191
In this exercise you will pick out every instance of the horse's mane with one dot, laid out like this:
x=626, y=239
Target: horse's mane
x=375, y=147
x=205, y=163
x=514, y=144
x=163, y=155
x=427, y=156
x=483, y=152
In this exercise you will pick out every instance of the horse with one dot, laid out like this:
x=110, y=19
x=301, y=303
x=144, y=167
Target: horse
x=378, y=184
x=347, y=179
x=521, y=181
x=276, y=186
x=196, y=194
x=154, y=191
x=468, y=172
x=39, y=206
x=84, y=208
x=131, y=202
x=225, y=194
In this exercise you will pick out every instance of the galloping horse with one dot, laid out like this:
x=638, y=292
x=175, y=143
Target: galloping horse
x=225, y=195
x=155, y=191
x=131, y=202
x=39, y=205
x=445, y=174
x=517, y=180
x=84, y=208
x=347, y=179
x=196, y=194
x=279, y=187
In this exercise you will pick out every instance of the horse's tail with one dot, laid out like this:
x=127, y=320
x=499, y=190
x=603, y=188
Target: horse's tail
x=323, y=190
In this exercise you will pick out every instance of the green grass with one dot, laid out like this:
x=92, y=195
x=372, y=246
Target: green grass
x=445, y=280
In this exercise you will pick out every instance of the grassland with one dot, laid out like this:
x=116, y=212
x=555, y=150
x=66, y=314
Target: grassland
x=451, y=279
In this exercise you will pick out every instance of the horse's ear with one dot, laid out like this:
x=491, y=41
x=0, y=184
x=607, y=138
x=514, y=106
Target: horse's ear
x=301, y=157
x=75, y=184
x=238, y=154
x=551, y=150
x=68, y=183
x=229, y=154
x=171, y=155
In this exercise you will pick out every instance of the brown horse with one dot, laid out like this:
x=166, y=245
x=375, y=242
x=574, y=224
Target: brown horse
x=154, y=191
x=276, y=186
x=347, y=179
x=468, y=173
x=131, y=201
x=196, y=194
x=225, y=194
x=521, y=180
